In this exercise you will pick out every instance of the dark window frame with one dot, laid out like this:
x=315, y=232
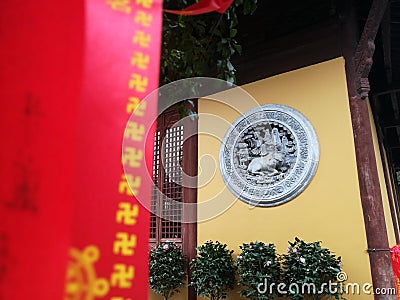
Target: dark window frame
x=172, y=118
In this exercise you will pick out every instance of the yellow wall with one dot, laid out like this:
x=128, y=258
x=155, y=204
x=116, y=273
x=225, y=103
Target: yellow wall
x=390, y=189
x=329, y=209
x=180, y=296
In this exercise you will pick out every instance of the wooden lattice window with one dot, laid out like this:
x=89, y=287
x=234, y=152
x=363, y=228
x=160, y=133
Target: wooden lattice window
x=167, y=196
x=175, y=154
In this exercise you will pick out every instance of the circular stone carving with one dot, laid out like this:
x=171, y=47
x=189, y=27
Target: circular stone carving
x=269, y=155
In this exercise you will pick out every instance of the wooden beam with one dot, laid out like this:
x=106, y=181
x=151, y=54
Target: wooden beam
x=395, y=104
x=390, y=124
x=293, y=51
x=370, y=192
x=366, y=47
x=388, y=91
x=386, y=45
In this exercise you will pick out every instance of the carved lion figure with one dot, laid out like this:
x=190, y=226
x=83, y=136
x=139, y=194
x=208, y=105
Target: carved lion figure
x=266, y=165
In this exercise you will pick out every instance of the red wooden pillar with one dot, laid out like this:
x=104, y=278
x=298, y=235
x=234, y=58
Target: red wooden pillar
x=370, y=192
x=190, y=161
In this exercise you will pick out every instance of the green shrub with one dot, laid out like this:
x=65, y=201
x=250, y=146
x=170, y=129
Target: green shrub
x=213, y=271
x=258, y=267
x=167, y=273
x=308, y=265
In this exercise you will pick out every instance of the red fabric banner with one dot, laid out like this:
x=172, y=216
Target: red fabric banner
x=40, y=77
x=395, y=256
x=108, y=258
x=202, y=7
x=72, y=72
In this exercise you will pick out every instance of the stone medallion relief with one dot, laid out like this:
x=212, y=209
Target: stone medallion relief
x=269, y=155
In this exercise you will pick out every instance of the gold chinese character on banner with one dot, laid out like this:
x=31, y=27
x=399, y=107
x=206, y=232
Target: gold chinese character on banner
x=122, y=276
x=145, y=3
x=143, y=18
x=127, y=213
x=134, y=105
x=129, y=185
x=124, y=243
x=142, y=39
x=132, y=157
x=134, y=131
x=120, y=5
x=138, y=83
x=140, y=60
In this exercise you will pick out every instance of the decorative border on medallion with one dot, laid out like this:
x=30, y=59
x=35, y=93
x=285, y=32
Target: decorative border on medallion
x=269, y=155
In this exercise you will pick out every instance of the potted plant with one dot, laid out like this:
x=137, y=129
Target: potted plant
x=167, y=273
x=311, y=272
x=258, y=267
x=213, y=270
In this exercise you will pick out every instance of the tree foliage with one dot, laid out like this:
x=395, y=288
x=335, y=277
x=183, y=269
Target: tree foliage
x=310, y=265
x=213, y=271
x=201, y=45
x=258, y=263
x=167, y=273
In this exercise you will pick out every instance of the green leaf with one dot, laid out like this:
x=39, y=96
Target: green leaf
x=238, y=48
